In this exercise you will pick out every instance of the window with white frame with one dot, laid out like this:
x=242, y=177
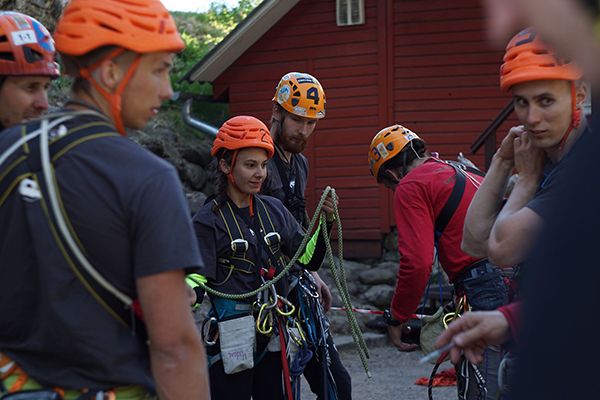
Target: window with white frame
x=350, y=12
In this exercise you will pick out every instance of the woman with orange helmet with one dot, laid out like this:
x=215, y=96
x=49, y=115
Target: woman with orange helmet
x=548, y=101
x=246, y=239
x=431, y=197
x=27, y=65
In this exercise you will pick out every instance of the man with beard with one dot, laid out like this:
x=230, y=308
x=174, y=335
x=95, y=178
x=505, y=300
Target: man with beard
x=298, y=104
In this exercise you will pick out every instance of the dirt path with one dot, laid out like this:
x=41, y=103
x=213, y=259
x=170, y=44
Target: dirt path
x=394, y=374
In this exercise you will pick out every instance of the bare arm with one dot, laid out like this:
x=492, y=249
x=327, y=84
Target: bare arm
x=515, y=228
x=487, y=201
x=177, y=356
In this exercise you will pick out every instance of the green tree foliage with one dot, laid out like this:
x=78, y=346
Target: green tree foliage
x=201, y=32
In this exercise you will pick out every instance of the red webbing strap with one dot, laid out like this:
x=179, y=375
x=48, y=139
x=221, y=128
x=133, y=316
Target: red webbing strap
x=284, y=363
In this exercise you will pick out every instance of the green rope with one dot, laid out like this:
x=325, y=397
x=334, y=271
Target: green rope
x=339, y=275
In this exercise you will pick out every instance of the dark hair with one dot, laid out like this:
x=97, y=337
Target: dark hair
x=220, y=179
x=413, y=150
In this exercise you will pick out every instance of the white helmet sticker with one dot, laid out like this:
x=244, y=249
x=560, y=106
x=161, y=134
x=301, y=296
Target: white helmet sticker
x=299, y=110
x=284, y=94
x=382, y=150
x=24, y=37
x=409, y=136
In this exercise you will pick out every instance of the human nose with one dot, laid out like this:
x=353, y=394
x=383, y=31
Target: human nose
x=167, y=90
x=261, y=172
x=534, y=116
x=41, y=101
x=304, y=128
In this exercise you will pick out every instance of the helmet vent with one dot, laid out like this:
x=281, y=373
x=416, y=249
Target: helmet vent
x=109, y=12
x=143, y=14
x=7, y=56
x=3, y=39
x=108, y=27
x=140, y=25
x=32, y=55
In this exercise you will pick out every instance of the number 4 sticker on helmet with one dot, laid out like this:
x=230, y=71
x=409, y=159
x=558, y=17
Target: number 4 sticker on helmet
x=313, y=94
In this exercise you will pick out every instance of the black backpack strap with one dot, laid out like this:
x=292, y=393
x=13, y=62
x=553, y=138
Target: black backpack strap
x=451, y=205
x=454, y=200
x=294, y=200
x=27, y=160
x=26, y=163
x=455, y=196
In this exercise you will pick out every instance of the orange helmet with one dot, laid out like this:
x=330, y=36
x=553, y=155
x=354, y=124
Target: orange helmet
x=141, y=26
x=301, y=94
x=241, y=132
x=27, y=48
x=527, y=59
x=387, y=144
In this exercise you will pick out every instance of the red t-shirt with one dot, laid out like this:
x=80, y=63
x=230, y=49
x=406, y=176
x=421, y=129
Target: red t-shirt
x=418, y=200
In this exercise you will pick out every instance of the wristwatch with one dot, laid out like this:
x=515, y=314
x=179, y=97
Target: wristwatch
x=389, y=320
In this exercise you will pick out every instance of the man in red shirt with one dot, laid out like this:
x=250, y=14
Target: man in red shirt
x=431, y=198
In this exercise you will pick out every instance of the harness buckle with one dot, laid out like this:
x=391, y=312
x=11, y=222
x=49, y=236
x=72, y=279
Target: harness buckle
x=30, y=190
x=239, y=245
x=272, y=239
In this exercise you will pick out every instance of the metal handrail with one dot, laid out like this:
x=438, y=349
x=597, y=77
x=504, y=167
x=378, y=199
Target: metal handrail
x=196, y=123
x=488, y=136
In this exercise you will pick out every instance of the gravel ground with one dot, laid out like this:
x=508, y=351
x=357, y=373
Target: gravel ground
x=394, y=375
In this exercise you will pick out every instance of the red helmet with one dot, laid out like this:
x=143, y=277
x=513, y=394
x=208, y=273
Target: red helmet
x=527, y=59
x=241, y=132
x=27, y=47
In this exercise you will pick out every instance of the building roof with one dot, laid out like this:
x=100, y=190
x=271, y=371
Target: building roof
x=256, y=24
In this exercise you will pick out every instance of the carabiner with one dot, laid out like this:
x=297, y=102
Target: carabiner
x=286, y=304
x=300, y=339
x=264, y=320
x=206, y=325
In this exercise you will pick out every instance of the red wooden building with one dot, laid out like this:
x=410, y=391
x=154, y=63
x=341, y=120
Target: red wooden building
x=422, y=63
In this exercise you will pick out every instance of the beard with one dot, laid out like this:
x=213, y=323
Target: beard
x=293, y=144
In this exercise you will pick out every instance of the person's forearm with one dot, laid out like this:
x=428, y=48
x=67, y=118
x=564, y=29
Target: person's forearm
x=180, y=370
x=484, y=207
x=511, y=235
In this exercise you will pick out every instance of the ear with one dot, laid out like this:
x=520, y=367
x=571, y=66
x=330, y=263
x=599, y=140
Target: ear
x=581, y=94
x=224, y=167
x=109, y=74
x=276, y=111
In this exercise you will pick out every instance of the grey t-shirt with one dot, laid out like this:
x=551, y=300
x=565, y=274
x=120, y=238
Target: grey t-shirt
x=127, y=208
x=287, y=182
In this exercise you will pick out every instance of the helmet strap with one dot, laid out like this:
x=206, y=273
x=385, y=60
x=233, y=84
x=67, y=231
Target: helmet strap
x=113, y=99
x=575, y=117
